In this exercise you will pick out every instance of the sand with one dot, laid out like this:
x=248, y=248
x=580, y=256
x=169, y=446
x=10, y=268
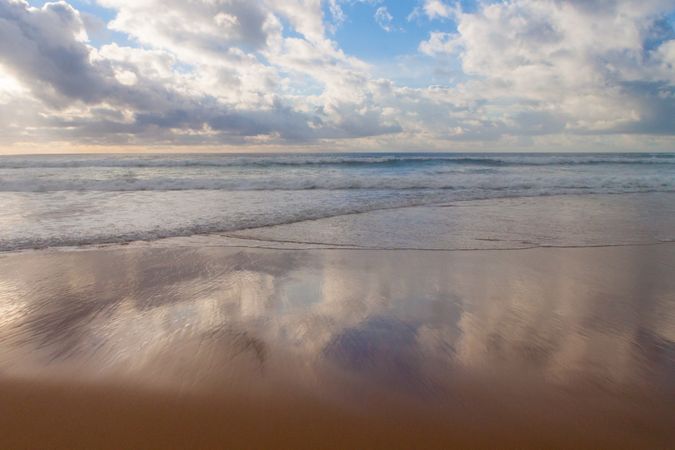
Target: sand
x=222, y=347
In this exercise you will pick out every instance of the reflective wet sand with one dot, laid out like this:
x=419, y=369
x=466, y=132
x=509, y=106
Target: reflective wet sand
x=216, y=347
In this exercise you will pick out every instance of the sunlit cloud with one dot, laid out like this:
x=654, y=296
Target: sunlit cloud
x=522, y=74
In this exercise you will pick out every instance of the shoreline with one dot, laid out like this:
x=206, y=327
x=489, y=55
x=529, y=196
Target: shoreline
x=276, y=236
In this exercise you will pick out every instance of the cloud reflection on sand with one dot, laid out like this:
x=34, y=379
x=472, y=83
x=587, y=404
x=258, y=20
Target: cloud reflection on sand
x=564, y=317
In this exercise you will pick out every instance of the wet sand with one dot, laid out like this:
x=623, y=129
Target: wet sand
x=109, y=416
x=216, y=347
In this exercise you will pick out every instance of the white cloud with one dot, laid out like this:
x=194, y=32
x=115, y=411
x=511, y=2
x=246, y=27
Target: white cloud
x=437, y=9
x=562, y=58
x=434, y=9
x=439, y=43
x=10, y=87
x=241, y=72
x=384, y=19
x=200, y=31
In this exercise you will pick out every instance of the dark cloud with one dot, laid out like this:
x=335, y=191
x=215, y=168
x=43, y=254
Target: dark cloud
x=41, y=48
x=657, y=101
x=45, y=49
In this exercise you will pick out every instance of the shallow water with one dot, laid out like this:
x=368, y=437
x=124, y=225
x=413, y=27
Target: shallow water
x=557, y=221
x=70, y=200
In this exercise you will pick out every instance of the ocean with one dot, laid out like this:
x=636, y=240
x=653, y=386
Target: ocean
x=75, y=200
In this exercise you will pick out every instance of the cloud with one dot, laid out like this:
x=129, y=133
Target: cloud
x=269, y=73
x=567, y=59
x=434, y=9
x=437, y=9
x=439, y=43
x=203, y=78
x=194, y=29
x=384, y=19
x=46, y=49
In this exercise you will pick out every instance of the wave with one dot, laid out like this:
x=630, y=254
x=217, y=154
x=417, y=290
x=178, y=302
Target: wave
x=331, y=172
x=331, y=160
x=164, y=224
x=422, y=184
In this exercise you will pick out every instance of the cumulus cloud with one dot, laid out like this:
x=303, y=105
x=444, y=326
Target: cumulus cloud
x=439, y=43
x=200, y=77
x=46, y=49
x=437, y=9
x=182, y=27
x=587, y=65
x=434, y=9
x=234, y=72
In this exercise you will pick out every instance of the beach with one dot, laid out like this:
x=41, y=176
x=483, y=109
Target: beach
x=337, y=301
x=337, y=224
x=255, y=339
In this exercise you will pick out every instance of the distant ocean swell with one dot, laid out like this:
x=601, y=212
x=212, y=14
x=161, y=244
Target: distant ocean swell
x=241, y=161
x=457, y=172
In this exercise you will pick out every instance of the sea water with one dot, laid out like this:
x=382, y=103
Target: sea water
x=72, y=200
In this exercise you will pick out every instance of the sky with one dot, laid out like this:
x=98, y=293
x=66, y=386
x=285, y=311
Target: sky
x=337, y=75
